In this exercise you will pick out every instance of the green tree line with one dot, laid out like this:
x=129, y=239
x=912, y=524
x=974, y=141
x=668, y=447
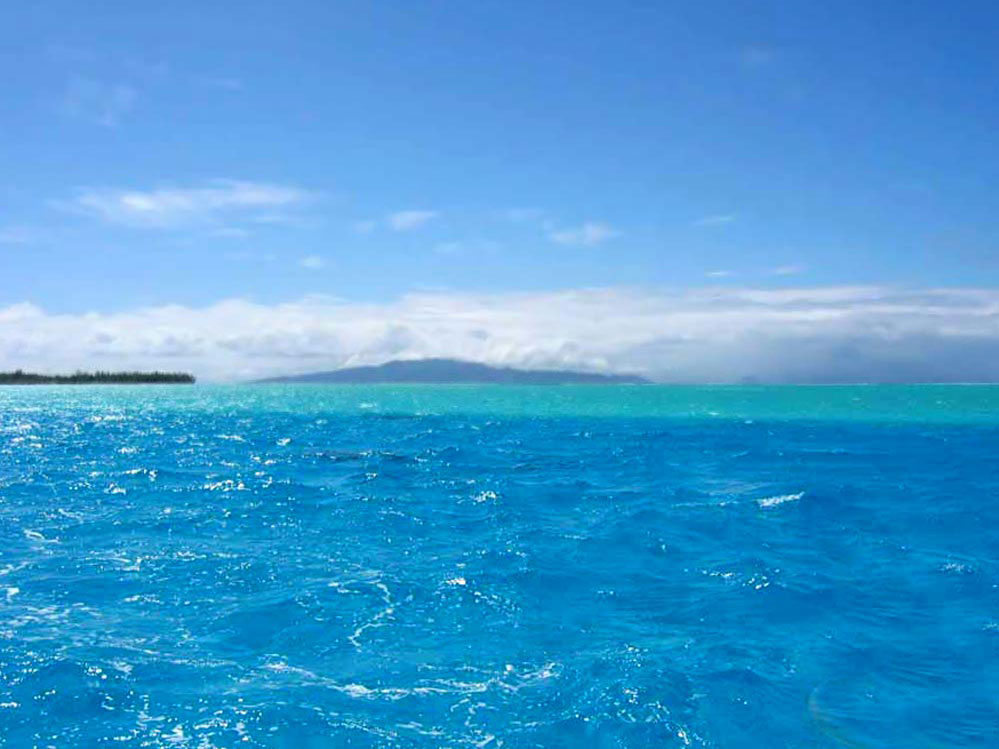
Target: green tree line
x=20, y=377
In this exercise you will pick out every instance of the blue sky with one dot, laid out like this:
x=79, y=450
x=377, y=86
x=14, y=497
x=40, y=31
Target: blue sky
x=183, y=154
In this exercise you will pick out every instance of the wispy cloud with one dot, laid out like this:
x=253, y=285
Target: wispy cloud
x=590, y=234
x=718, y=273
x=757, y=55
x=399, y=221
x=99, y=102
x=467, y=246
x=145, y=70
x=69, y=53
x=716, y=334
x=312, y=262
x=20, y=235
x=176, y=207
x=230, y=232
x=222, y=83
x=718, y=219
x=409, y=220
x=520, y=215
x=449, y=248
x=788, y=270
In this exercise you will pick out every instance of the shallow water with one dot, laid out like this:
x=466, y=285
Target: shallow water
x=296, y=566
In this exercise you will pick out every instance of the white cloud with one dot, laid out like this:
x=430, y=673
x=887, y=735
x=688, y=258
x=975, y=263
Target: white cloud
x=313, y=262
x=97, y=101
x=408, y=220
x=788, y=270
x=718, y=273
x=719, y=219
x=836, y=333
x=399, y=221
x=175, y=207
x=590, y=234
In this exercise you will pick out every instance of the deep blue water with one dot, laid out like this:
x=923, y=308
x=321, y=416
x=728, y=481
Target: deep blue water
x=393, y=567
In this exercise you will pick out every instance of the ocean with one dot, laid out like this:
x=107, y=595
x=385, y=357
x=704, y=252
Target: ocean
x=482, y=566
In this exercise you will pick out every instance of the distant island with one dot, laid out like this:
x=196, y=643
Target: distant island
x=20, y=377
x=454, y=372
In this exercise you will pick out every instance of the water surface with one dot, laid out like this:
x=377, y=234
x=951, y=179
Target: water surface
x=310, y=566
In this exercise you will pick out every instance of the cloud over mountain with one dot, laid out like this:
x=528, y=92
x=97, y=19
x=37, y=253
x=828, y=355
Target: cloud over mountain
x=820, y=334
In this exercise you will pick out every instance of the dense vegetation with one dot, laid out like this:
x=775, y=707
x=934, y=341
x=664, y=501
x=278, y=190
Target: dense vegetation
x=20, y=377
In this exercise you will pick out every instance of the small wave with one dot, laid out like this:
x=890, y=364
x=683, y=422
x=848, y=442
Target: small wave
x=226, y=485
x=779, y=500
x=38, y=537
x=378, y=619
x=956, y=568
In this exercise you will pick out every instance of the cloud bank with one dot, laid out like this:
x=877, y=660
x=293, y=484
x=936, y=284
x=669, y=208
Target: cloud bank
x=824, y=334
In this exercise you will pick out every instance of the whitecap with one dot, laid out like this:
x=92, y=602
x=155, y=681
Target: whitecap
x=226, y=485
x=176, y=736
x=122, y=666
x=956, y=568
x=36, y=536
x=356, y=690
x=779, y=500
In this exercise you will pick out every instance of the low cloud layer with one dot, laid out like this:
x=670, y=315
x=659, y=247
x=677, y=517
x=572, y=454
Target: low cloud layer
x=825, y=334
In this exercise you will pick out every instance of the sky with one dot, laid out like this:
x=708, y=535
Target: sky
x=696, y=191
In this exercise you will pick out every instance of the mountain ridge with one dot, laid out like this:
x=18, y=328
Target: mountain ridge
x=441, y=371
